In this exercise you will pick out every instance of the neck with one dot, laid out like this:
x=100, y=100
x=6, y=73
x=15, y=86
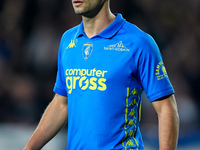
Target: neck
x=96, y=24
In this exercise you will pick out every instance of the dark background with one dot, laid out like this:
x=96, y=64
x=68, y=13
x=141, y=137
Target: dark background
x=30, y=32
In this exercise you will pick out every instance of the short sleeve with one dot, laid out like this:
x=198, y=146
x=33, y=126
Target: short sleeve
x=60, y=85
x=151, y=71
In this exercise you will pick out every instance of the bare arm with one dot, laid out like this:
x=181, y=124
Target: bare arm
x=168, y=122
x=53, y=119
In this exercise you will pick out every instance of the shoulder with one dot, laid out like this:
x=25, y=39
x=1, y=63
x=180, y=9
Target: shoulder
x=137, y=35
x=141, y=40
x=68, y=36
x=70, y=32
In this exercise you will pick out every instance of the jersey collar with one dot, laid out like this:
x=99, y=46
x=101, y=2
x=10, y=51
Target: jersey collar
x=110, y=31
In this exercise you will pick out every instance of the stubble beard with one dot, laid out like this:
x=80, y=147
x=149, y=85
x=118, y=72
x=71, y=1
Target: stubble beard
x=81, y=12
x=87, y=11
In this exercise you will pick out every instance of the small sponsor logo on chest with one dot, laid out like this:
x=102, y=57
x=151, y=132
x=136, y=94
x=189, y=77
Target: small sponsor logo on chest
x=117, y=47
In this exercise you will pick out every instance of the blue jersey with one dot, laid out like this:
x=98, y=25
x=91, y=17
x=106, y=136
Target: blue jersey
x=103, y=78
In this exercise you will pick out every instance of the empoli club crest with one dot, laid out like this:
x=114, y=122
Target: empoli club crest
x=87, y=50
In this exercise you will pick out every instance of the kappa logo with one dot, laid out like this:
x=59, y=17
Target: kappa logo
x=72, y=44
x=87, y=50
x=117, y=47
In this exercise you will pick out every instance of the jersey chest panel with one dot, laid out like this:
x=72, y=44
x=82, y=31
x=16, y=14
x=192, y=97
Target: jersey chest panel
x=96, y=64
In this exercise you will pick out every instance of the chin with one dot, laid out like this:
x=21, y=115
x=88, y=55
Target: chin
x=78, y=12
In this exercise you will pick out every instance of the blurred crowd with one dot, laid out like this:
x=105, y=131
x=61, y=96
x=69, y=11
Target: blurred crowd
x=30, y=32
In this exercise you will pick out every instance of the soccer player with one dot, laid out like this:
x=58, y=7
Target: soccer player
x=104, y=64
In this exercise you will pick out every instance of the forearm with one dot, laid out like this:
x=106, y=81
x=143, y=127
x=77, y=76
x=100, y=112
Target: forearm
x=168, y=130
x=166, y=109
x=53, y=119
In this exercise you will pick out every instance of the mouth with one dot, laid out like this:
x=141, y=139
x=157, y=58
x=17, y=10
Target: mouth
x=78, y=3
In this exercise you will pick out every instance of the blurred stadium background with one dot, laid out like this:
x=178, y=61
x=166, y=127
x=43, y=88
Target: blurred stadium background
x=30, y=31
